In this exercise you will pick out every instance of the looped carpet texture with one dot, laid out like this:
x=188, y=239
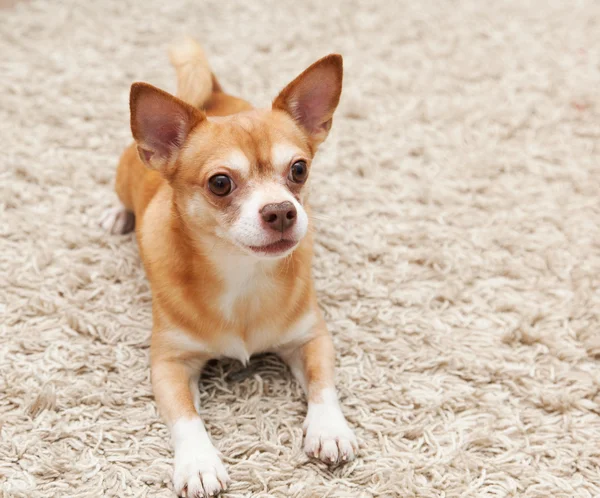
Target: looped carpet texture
x=456, y=206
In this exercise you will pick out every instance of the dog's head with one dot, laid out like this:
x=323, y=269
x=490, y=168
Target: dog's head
x=241, y=177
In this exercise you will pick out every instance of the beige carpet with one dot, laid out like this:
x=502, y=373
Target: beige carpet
x=458, y=253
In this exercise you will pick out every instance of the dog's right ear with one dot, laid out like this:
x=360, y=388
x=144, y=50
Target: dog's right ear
x=160, y=124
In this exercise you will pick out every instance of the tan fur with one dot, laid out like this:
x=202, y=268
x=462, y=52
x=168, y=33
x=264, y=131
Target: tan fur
x=194, y=78
x=176, y=248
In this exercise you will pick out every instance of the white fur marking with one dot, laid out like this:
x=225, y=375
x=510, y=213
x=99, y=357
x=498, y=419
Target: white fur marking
x=198, y=467
x=328, y=436
x=232, y=346
x=271, y=339
x=195, y=204
x=181, y=340
x=244, y=277
x=228, y=345
x=237, y=161
x=282, y=155
x=248, y=229
x=300, y=332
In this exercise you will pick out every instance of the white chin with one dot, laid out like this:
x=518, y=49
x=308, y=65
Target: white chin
x=274, y=250
x=262, y=250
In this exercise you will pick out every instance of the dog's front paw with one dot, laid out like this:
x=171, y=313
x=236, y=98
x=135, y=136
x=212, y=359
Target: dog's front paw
x=330, y=444
x=328, y=436
x=199, y=472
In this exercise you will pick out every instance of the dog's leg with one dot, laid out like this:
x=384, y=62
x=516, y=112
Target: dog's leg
x=117, y=221
x=198, y=468
x=327, y=435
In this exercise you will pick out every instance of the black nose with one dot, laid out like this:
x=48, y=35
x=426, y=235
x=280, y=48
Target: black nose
x=280, y=216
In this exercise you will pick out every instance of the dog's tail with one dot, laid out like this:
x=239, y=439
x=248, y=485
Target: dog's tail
x=195, y=81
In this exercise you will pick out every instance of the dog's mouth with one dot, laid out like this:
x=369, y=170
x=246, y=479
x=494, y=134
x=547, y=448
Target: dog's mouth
x=274, y=248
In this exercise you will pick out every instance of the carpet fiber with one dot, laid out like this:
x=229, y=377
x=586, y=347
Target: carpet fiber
x=457, y=256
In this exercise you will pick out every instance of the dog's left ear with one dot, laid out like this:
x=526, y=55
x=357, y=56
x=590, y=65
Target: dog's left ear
x=311, y=99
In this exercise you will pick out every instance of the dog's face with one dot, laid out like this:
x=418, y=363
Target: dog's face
x=242, y=177
x=246, y=178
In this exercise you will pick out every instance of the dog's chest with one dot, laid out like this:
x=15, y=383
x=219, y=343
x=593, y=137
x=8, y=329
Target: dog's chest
x=240, y=346
x=246, y=290
x=247, y=304
x=252, y=304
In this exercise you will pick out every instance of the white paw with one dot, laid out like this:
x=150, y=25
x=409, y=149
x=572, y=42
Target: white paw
x=199, y=472
x=117, y=221
x=328, y=436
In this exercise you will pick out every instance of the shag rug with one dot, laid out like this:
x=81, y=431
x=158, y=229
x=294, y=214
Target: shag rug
x=457, y=256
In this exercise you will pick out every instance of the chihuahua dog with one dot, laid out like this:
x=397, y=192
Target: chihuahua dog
x=217, y=192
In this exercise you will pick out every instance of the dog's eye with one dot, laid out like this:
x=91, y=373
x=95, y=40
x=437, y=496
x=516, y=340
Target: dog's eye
x=298, y=172
x=220, y=185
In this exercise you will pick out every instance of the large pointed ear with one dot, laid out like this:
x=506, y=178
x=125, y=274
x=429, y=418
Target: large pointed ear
x=312, y=97
x=160, y=124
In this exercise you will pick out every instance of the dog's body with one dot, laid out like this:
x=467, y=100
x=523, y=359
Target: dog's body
x=218, y=192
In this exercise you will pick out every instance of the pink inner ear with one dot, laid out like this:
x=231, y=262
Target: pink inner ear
x=162, y=132
x=312, y=103
x=312, y=108
x=161, y=125
x=146, y=154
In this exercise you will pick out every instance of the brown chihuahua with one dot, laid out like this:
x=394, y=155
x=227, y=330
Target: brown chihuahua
x=217, y=191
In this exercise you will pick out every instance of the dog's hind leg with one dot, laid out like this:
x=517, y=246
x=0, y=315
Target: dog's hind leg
x=117, y=220
x=121, y=219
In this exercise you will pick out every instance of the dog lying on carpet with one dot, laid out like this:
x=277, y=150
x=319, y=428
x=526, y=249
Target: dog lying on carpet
x=217, y=191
